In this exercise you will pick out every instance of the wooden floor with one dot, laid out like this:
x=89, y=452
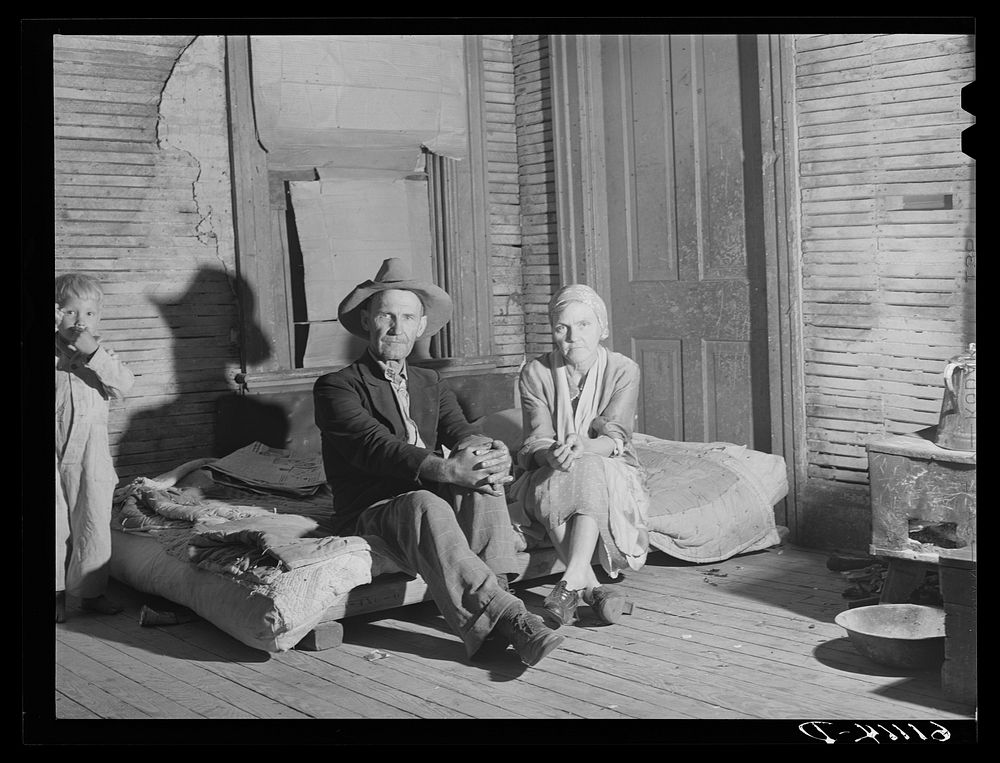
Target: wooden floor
x=749, y=638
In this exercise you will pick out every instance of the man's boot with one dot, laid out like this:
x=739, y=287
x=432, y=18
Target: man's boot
x=528, y=634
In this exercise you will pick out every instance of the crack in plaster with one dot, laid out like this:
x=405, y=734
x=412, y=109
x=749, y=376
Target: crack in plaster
x=204, y=229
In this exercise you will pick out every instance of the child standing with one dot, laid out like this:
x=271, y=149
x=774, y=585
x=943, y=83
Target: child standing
x=88, y=375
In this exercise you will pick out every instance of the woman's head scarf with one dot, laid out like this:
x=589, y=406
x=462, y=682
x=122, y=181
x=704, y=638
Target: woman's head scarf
x=579, y=292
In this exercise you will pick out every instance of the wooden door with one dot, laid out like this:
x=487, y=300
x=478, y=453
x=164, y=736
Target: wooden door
x=685, y=235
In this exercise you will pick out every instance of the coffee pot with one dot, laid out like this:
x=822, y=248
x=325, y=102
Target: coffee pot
x=957, y=426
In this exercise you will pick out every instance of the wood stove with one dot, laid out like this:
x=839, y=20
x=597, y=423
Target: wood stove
x=923, y=513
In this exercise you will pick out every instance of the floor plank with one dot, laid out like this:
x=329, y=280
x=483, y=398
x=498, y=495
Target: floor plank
x=420, y=634
x=750, y=638
x=224, y=678
x=151, y=677
x=291, y=688
x=712, y=617
x=400, y=694
x=460, y=693
x=191, y=683
x=143, y=699
x=565, y=694
x=90, y=693
x=69, y=708
x=780, y=655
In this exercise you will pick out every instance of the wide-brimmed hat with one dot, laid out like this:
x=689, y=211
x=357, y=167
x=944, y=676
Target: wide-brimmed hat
x=395, y=274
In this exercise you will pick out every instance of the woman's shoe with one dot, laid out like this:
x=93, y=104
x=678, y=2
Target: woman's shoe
x=607, y=604
x=60, y=606
x=560, y=606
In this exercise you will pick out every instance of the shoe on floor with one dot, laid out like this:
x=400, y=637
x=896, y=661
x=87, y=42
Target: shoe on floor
x=495, y=644
x=60, y=606
x=560, y=606
x=528, y=634
x=607, y=604
x=102, y=605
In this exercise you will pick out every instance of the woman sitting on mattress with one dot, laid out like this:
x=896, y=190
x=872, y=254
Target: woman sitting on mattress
x=582, y=481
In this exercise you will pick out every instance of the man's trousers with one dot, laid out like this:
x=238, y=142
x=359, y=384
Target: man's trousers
x=458, y=544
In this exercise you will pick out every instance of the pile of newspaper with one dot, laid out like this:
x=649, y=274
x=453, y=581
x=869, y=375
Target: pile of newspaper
x=264, y=469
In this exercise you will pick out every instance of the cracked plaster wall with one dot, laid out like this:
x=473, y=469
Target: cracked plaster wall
x=193, y=120
x=147, y=206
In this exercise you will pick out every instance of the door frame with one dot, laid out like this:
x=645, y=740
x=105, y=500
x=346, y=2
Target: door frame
x=582, y=215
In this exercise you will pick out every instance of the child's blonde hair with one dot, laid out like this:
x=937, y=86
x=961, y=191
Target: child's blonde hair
x=78, y=285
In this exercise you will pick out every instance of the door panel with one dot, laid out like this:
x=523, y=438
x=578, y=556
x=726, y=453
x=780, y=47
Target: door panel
x=662, y=403
x=726, y=369
x=679, y=277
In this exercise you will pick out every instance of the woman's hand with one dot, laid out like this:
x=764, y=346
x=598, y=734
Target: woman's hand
x=560, y=456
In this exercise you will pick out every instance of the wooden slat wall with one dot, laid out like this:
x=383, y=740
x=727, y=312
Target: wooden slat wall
x=505, y=208
x=887, y=294
x=536, y=179
x=149, y=218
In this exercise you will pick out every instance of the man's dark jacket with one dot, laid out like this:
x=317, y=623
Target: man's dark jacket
x=365, y=453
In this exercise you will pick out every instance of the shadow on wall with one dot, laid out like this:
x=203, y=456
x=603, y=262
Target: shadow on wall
x=197, y=380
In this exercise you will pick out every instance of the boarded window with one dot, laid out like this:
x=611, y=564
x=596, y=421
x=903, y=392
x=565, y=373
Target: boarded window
x=346, y=223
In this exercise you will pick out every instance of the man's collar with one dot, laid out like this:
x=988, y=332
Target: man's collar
x=387, y=371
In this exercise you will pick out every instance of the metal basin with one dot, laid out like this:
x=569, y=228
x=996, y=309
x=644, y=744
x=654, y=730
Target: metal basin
x=898, y=635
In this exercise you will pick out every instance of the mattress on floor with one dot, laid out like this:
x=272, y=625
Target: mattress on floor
x=710, y=501
x=272, y=617
x=260, y=567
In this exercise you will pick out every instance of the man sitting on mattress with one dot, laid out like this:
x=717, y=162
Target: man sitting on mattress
x=382, y=422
